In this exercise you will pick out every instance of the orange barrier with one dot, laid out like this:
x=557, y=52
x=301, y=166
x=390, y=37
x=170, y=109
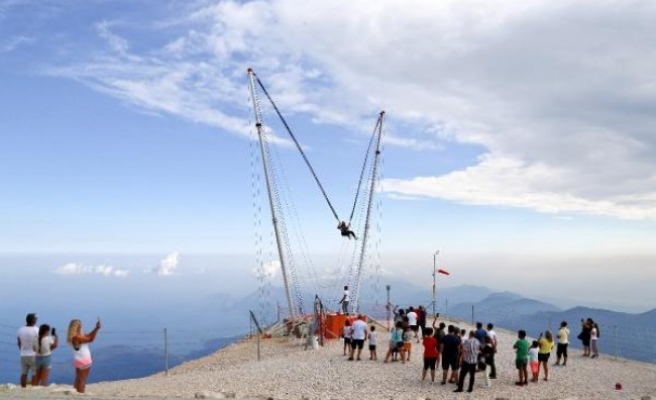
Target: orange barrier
x=335, y=324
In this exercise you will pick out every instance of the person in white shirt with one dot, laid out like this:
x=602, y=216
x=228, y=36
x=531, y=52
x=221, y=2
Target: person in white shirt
x=26, y=337
x=359, y=336
x=82, y=361
x=594, y=340
x=345, y=301
x=493, y=337
x=373, y=339
x=43, y=346
x=347, y=334
x=412, y=321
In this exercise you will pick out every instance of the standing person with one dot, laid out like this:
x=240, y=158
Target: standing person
x=407, y=343
x=440, y=331
x=347, y=334
x=480, y=332
x=43, y=347
x=399, y=314
x=373, y=339
x=396, y=342
x=359, y=336
x=521, y=358
x=421, y=320
x=546, y=345
x=533, y=360
x=449, y=346
x=470, y=349
x=26, y=336
x=563, y=343
x=345, y=301
x=584, y=336
x=488, y=355
x=594, y=340
x=431, y=354
x=81, y=353
x=412, y=321
x=493, y=339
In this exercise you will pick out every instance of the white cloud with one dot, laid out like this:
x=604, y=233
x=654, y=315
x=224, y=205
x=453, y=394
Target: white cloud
x=558, y=99
x=81, y=269
x=117, y=43
x=14, y=43
x=503, y=182
x=168, y=266
x=268, y=270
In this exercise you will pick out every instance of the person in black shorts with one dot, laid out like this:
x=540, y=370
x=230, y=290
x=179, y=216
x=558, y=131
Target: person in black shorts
x=358, y=336
x=347, y=333
x=421, y=319
x=563, y=343
x=450, y=345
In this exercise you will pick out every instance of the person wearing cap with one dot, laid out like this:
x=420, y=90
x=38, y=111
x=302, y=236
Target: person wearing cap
x=26, y=337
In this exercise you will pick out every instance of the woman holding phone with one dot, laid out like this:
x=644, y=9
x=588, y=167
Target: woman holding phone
x=81, y=353
x=44, y=345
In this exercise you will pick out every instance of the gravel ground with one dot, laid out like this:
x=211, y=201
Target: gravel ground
x=287, y=371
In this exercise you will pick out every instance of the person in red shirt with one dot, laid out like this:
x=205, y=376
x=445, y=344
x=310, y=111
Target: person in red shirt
x=431, y=353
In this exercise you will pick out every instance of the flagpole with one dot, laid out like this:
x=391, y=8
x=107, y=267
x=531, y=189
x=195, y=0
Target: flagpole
x=434, y=275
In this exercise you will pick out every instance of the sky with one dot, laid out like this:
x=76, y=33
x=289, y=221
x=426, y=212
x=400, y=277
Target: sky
x=518, y=138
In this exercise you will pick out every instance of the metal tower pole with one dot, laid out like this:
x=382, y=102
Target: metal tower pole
x=265, y=165
x=434, y=279
x=389, y=308
x=366, y=223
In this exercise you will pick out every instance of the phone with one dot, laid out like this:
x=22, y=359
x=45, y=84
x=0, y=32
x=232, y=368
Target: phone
x=52, y=332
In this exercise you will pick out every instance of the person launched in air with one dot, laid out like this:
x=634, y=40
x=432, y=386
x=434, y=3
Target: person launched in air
x=345, y=230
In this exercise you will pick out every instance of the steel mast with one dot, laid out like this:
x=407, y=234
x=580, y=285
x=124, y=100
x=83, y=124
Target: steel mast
x=365, y=236
x=265, y=165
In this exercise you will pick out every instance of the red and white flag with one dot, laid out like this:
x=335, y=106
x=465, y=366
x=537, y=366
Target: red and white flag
x=441, y=271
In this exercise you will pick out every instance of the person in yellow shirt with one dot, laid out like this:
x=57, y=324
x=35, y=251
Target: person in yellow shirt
x=563, y=342
x=545, y=344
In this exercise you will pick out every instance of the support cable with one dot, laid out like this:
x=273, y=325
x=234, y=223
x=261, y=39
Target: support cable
x=298, y=146
x=364, y=167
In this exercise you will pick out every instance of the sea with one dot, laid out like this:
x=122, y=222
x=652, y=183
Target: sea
x=150, y=321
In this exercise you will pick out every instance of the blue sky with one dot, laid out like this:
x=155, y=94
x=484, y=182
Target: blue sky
x=519, y=136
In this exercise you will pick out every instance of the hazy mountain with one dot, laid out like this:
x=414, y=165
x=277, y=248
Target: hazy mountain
x=372, y=299
x=621, y=334
x=502, y=305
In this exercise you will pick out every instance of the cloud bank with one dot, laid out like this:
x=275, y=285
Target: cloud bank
x=558, y=98
x=81, y=269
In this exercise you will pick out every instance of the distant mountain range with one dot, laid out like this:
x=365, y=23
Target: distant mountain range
x=622, y=334
x=626, y=335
